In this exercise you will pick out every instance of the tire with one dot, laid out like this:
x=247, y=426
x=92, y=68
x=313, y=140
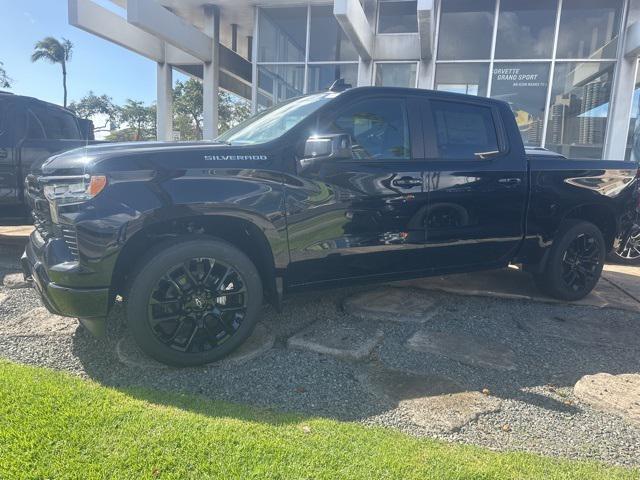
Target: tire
x=193, y=300
x=575, y=261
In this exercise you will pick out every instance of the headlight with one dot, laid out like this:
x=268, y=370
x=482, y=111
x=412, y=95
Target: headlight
x=62, y=191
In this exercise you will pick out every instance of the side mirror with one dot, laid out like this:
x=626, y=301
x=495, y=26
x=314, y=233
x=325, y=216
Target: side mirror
x=336, y=146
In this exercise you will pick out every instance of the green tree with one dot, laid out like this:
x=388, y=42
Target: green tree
x=5, y=81
x=187, y=109
x=232, y=110
x=54, y=51
x=140, y=120
x=91, y=106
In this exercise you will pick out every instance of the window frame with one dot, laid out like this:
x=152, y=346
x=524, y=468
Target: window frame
x=431, y=138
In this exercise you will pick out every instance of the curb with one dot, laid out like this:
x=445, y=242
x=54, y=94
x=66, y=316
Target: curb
x=15, y=235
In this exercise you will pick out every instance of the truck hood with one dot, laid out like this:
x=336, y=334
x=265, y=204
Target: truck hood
x=148, y=155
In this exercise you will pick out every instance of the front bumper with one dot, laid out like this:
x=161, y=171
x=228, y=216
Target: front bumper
x=85, y=303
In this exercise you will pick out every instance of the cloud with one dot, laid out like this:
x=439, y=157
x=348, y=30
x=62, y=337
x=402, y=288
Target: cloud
x=29, y=17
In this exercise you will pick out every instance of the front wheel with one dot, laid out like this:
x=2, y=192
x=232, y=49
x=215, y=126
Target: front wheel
x=575, y=262
x=193, y=301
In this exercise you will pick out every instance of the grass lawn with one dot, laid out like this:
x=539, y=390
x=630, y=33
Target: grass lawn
x=56, y=426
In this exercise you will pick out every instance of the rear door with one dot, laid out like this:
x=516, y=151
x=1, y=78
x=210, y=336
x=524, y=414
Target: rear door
x=361, y=216
x=476, y=183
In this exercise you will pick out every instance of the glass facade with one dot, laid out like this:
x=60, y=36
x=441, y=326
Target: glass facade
x=552, y=61
x=292, y=61
x=632, y=151
x=397, y=16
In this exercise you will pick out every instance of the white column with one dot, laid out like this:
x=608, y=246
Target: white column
x=365, y=73
x=254, y=62
x=164, y=105
x=211, y=77
x=426, y=72
x=623, y=86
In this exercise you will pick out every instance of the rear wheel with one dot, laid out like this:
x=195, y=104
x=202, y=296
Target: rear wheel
x=575, y=261
x=193, y=301
x=628, y=248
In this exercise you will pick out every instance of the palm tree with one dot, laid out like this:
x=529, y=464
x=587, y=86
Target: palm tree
x=54, y=51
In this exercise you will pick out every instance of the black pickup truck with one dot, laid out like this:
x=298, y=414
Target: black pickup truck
x=367, y=184
x=31, y=130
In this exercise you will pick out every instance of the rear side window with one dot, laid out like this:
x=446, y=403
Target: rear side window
x=58, y=125
x=35, y=130
x=463, y=131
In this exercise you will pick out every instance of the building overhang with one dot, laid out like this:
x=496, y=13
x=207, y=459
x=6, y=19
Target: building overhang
x=164, y=38
x=354, y=23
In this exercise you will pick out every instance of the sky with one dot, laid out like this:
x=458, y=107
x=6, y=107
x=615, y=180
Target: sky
x=96, y=64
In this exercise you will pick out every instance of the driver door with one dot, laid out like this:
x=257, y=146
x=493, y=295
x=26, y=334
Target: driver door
x=361, y=216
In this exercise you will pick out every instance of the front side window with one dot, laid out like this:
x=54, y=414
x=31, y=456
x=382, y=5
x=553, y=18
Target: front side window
x=378, y=128
x=276, y=121
x=398, y=16
x=463, y=131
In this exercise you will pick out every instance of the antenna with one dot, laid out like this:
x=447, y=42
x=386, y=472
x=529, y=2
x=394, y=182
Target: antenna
x=339, y=85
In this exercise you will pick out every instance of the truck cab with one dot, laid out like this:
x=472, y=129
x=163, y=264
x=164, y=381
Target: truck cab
x=31, y=130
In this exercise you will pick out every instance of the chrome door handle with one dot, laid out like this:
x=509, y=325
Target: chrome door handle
x=407, y=182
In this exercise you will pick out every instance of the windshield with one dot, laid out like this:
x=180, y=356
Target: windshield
x=276, y=121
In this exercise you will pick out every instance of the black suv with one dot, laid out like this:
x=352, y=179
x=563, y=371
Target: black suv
x=30, y=132
x=369, y=184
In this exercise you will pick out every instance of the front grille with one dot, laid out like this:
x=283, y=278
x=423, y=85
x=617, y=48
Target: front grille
x=41, y=212
x=39, y=208
x=70, y=237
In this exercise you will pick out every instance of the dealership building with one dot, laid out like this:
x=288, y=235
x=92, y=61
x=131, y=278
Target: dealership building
x=568, y=68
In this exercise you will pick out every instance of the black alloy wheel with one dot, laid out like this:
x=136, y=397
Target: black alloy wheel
x=574, y=264
x=628, y=249
x=193, y=300
x=580, y=262
x=197, y=305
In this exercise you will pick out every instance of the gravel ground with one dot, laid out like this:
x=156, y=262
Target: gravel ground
x=538, y=413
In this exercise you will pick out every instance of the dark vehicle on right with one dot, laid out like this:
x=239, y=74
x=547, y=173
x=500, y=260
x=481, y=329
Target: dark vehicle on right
x=369, y=184
x=31, y=130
